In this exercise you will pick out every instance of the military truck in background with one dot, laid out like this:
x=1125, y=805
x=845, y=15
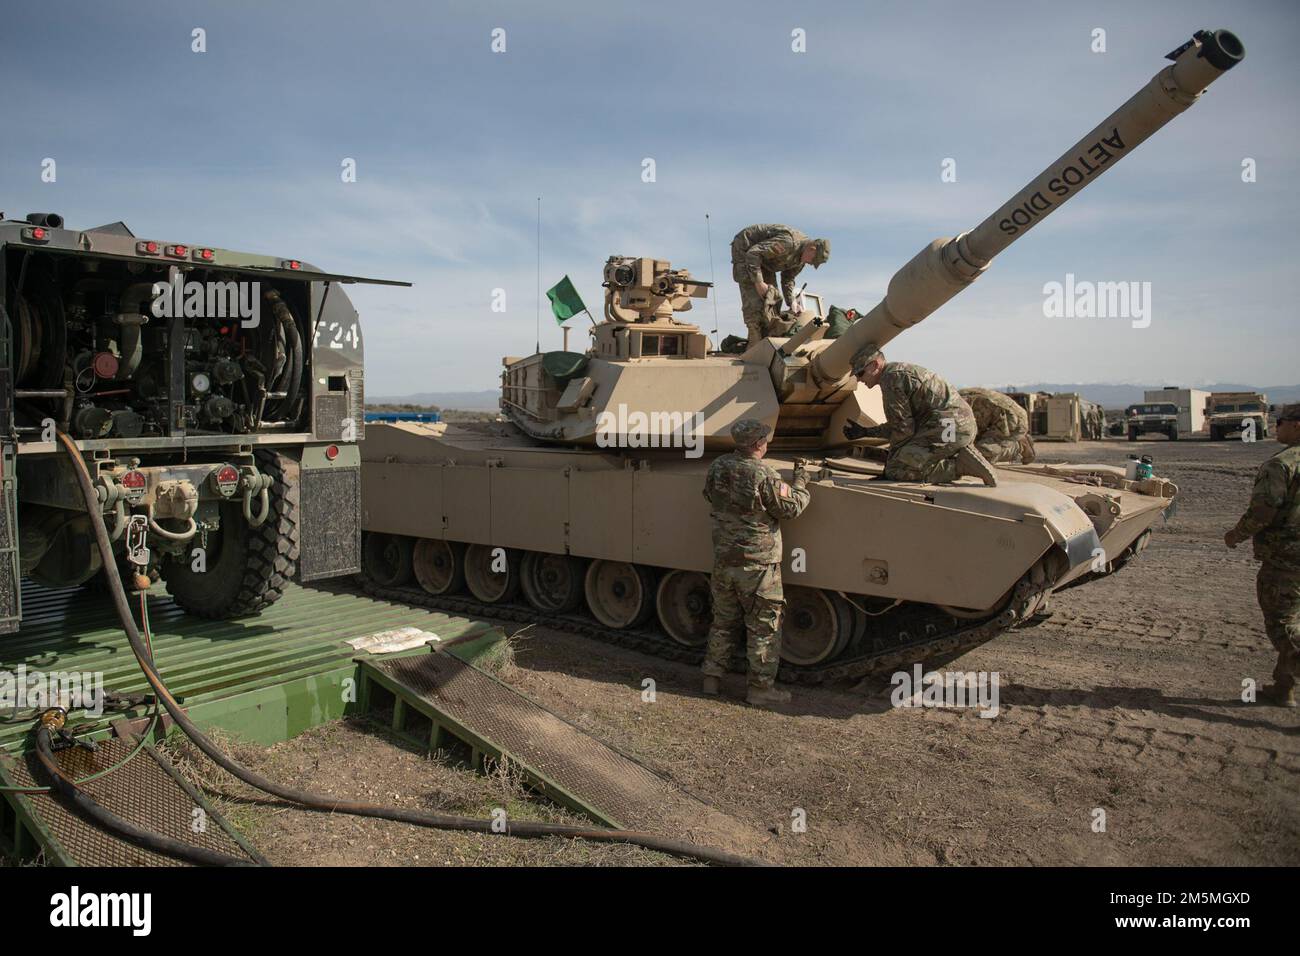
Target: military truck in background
x=1149, y=418
x=215, y=396
x=1189, y=401
x=1228, y=413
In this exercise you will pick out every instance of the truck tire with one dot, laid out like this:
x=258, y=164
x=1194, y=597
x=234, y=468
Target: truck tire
x=251, y=566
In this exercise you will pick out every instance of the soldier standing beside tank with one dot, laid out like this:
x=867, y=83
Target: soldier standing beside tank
x=758, y=253
x=747, y=501
x=1273, y=521
x=1001, y=426
x=929, y=425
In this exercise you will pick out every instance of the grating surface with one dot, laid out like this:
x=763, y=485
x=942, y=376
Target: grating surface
x=299, y=636
x=622, y=790
x=142, y=792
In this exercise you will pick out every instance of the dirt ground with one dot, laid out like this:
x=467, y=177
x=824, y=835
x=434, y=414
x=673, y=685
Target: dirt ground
x=1127, y=700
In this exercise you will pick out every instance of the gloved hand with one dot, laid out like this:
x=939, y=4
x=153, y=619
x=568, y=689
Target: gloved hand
x=854, y=431
x=800, y=472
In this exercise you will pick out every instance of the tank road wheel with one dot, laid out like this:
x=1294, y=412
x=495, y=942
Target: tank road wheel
x=684, y=606
x=552, y=583
x=492, y=573
x=246, y=568
x=817, y=625
x=386, y=558
x=619, y=594
x=439, y=565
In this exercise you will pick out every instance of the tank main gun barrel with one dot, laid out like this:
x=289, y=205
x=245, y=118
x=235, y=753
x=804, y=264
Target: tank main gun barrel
x=946, y=266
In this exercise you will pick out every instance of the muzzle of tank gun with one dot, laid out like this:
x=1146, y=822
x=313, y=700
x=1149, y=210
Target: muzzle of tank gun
x=946, y=266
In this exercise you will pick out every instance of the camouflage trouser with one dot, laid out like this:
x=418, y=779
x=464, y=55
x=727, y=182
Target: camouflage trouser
x=1279, y=599
x=762, y=316
x=747, y=602
x=997, y=449
x=927, y=457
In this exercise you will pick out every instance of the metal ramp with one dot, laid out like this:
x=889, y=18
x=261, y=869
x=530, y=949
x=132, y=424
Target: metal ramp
x=147, y=791
x=438, y=698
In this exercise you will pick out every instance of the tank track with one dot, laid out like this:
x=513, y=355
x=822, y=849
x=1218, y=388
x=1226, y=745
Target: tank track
x=854, y=664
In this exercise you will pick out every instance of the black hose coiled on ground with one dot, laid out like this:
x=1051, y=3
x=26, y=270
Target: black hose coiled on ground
x=313, y=801
x=110, y=821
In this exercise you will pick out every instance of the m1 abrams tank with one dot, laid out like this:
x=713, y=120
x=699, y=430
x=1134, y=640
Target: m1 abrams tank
x=584, y=508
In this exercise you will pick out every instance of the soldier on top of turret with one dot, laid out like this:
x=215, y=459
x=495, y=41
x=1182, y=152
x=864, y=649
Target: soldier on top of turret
x=758, y=253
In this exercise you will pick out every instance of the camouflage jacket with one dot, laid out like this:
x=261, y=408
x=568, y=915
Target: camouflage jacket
x=916, y=401
x=747, y=501
x=768, y=248
x=1273, y=517
x=995, y=413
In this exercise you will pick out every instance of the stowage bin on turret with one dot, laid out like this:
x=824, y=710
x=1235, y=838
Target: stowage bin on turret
x=591, y=489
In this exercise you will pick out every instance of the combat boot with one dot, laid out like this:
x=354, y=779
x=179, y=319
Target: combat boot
x=767, y=696
x=972, y=463
x=1027, y=453
x=710, y=685
x=1277, y=695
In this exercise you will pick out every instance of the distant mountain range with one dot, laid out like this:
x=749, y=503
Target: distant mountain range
x=1120, y=396
x=1108, y=396
x=466, y=401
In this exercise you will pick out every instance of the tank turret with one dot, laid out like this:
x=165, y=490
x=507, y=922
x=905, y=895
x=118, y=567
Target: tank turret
x=643, y=360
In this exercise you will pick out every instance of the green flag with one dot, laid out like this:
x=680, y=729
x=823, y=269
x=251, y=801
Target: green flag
x=565, y=301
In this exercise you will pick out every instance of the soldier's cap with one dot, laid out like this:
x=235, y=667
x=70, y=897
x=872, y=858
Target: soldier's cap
x=864, y=357
x=748, y=432
x=1289, y=413
x=822, y=252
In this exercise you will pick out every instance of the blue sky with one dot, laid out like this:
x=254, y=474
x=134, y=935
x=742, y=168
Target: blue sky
x=241, y=147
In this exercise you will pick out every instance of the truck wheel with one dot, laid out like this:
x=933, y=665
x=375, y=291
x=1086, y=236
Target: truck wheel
x=246, y=568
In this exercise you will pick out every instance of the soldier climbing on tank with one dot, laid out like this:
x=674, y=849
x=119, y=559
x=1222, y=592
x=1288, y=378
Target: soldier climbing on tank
x=929, y=425
x=1273, y=521
x=747, y=500
x=758, y=253
x=1001, y=426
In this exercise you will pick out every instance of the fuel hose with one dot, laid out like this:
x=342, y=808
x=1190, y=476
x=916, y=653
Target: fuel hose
x=307, y=799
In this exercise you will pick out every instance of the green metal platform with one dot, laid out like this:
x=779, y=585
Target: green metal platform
x=266, y=678
x=263, y=679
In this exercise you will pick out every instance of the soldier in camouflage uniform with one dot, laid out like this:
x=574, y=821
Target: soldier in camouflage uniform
x=1001, y=426
x=747, y=501
x=758, y=253
x=929, y=425
x=1273, y=521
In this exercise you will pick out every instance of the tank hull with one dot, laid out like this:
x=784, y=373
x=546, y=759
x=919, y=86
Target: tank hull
x=877, y=544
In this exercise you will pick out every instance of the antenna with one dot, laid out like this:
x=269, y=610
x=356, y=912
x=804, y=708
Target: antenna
x=539, y=274
x=713, y=279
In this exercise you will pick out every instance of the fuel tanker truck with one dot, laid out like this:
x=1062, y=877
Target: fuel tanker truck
x=583, y=506
x=215, y=396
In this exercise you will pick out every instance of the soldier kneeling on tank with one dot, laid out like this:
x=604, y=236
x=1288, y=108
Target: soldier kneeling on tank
x=1272, y=521
x=1002, y=426
x=929, y=425
x=747, y=500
